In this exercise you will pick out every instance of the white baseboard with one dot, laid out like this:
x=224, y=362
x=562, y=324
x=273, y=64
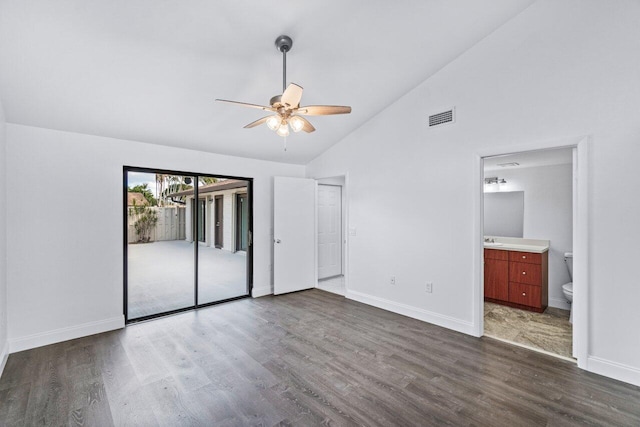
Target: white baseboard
x=261, y=291
x=4, y=355
x=414, y=312
x=559, y=303
x=65, y=334
x=615, y=370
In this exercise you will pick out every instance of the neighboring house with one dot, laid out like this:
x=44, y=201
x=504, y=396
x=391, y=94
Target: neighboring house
x=223, y=214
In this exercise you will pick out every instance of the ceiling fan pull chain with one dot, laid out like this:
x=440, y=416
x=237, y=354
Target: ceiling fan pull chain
x=285, y=143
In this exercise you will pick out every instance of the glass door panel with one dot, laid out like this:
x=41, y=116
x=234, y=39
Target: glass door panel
x=222, y=262
x=160, y=243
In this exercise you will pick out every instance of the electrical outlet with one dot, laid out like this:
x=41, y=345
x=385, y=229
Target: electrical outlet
x=429, y=287
x=392, y=281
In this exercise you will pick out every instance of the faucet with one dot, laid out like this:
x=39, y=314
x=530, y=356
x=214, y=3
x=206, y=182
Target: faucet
x=489, y=240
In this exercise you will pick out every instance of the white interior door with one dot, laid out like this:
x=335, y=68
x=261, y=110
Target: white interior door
x=329, y=231
x=294, y=244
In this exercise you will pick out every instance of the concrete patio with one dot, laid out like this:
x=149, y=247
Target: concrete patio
x=161, y=276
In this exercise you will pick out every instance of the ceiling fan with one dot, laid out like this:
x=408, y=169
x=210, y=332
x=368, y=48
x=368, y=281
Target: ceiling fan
x=286, y=107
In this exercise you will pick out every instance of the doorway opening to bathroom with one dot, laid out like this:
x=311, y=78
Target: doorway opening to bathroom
x=528, y=206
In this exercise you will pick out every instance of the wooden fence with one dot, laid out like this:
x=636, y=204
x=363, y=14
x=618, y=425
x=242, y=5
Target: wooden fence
x=170, y=226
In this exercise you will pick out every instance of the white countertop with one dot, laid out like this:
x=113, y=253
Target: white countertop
x=516, y=244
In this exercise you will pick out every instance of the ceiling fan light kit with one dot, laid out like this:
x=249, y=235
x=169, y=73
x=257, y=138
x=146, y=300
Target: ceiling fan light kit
x=287, y=109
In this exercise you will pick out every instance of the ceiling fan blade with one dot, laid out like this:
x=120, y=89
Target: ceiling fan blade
x=244, y=104
x=291, y=96
x=308, y=127
x=323, y=110
x=257, y=122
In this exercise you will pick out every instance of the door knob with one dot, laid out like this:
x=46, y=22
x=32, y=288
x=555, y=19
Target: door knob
x=277, y=240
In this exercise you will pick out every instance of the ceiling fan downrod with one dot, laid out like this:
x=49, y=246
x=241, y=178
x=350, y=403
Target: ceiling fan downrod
x=284, y=44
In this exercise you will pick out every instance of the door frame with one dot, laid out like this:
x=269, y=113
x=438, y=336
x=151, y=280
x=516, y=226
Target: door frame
x=249, y=264
x=345, y=225
x=581, y=297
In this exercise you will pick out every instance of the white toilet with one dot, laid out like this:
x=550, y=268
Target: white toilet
x=567, y=288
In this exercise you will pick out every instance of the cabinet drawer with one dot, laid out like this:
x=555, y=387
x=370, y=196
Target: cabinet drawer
x=528, y=257
x=525, y=295
x=530, y=274
x=496, y=254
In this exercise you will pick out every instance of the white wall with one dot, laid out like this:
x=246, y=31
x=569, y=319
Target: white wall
x=548, y=215
x=557, y=70
x=4, y=343
x=65, y=226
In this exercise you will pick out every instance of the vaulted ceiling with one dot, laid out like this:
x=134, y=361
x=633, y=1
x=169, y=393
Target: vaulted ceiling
x=149, y=70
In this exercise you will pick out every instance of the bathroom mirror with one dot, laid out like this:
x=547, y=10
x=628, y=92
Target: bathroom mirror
x=504, y=214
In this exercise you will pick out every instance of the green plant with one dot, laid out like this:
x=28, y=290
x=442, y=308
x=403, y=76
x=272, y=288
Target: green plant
x=147, y=219
x=146, y=192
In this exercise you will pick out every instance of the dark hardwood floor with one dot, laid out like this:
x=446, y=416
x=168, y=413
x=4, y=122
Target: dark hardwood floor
x=306, y=358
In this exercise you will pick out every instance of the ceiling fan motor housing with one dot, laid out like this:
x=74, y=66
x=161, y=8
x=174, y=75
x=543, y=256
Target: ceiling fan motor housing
x=284, y=43
x=275, y=100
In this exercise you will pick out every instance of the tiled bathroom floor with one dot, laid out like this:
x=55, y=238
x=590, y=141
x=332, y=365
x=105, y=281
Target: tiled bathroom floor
x=549, y=331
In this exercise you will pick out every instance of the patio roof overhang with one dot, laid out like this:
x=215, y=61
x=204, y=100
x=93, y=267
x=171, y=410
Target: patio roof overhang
x=228, y=184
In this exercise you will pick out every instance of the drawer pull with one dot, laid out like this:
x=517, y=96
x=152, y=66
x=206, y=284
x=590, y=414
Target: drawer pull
x=524, y=257
x=524, y=294
x=524, y=273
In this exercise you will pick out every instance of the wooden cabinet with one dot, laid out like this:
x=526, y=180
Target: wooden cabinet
x=517, y=279
x=496, y=274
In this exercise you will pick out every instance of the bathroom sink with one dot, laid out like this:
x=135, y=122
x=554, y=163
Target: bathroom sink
x=491, y=244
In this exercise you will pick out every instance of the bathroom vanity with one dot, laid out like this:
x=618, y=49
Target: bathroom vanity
x=516, y=272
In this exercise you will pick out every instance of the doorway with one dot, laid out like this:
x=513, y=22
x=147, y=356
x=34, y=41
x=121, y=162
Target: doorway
x=169, y=263
x=528, y=234
x=295, y=235
x=331, y=239
x=329, y=231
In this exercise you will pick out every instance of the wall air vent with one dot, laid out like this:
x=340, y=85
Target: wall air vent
x=442, y=118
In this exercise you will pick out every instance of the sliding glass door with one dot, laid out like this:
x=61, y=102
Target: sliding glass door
x=187, y=241
x=222, y=264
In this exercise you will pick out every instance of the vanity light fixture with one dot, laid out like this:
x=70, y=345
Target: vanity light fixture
x=494, y=180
